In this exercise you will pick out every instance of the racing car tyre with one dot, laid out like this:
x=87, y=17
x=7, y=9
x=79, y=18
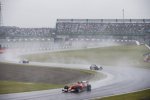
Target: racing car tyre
x=77, y=89
x=89, y=87
x=66, y=87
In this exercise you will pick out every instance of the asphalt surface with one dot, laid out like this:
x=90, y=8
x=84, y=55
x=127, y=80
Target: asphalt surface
x=119, y=80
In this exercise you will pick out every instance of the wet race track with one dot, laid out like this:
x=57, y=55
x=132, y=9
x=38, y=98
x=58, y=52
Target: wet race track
x=119, y=80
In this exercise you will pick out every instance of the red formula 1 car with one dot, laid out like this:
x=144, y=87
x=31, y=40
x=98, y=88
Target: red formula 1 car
x=78, y=87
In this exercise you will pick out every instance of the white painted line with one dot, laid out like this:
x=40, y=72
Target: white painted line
x=147, y=46
x=137, y=42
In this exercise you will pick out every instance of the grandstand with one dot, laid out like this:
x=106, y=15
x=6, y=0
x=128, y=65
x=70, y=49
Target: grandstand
x=67, y=30
x=16, y=32
x=15, y=37
x=131, y=29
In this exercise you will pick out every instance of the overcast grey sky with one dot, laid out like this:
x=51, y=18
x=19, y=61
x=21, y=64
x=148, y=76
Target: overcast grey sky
x=43, y=13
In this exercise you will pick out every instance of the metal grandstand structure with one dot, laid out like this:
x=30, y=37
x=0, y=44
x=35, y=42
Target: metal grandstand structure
x=103, y=20
x=129, y=29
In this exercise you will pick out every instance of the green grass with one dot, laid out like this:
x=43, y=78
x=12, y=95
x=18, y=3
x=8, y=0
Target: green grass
x=15, y=87
x=142, y=95
x=126, y=55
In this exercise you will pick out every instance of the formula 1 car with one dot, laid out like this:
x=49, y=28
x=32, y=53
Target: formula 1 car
x=95, y=67
x=24, y=61
x=77, y=87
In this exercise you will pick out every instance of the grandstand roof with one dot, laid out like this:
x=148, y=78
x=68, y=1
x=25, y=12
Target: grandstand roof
x=103, y=20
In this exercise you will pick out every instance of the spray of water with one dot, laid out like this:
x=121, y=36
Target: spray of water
x=42, y=45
